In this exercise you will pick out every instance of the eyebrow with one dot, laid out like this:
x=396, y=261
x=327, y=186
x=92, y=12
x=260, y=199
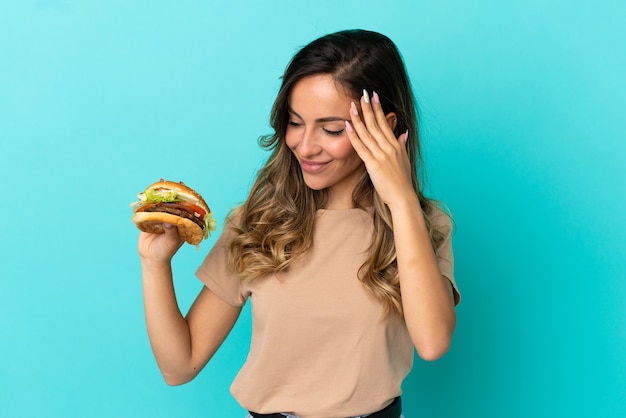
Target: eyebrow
x=320, y=120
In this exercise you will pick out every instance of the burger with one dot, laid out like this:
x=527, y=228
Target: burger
x=176, y=204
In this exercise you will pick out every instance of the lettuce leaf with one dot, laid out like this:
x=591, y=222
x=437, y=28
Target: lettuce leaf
x=160, y=196
x=210, y=225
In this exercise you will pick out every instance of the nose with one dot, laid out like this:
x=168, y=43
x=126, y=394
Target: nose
x=309, y=145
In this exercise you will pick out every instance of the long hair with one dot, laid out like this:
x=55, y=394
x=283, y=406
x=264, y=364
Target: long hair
x=275, y=224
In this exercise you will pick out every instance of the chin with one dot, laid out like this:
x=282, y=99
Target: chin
x=315, y=187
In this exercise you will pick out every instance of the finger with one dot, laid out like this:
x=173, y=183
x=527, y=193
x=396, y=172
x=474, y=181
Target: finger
x=361, y=149
x=171, y=231
x=405, y=139
x=361, y=130
x=369, y=116
x=376, y=122
x=381, y=118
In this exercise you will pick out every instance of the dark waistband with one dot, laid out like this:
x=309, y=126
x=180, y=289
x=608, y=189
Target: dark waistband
x=393, y=410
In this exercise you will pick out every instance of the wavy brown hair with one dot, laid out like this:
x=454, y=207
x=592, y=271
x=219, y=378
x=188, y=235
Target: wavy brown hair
x=275, y=224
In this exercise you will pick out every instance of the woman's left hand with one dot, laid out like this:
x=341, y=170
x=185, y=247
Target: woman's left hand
x=385, y=156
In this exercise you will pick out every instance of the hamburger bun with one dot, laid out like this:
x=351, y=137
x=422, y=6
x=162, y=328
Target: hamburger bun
x=175, y=204
x=152, y=222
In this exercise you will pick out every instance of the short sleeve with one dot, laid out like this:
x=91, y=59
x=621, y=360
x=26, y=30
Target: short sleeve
x=445, y=255
x=216, y=275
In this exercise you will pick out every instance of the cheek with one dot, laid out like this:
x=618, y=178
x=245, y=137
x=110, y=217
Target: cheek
x=342, y=150
x=290, y=139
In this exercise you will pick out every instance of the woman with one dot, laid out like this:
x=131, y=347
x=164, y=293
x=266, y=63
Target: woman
x=347, y=264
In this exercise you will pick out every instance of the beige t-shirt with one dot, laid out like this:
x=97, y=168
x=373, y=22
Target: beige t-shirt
x=321, y=346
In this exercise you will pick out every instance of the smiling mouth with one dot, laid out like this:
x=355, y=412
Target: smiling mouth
x=312, y=166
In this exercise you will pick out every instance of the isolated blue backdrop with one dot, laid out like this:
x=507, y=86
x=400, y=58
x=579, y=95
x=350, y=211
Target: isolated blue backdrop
x=522, y=108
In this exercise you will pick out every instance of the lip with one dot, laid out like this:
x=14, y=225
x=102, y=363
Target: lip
x=312, y=166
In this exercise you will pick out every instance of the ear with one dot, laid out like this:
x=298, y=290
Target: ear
x=392, y=120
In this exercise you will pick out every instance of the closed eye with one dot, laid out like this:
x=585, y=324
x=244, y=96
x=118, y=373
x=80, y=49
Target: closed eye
x=292, y=123
x=334, y=133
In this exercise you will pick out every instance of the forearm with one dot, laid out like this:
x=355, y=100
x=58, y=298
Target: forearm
x=427, y=296
x=168, y=330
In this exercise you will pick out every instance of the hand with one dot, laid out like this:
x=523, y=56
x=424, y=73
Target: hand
x=385, y=156
x=160, y=247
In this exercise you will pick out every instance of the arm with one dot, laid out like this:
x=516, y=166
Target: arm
x=427, y=296
x=181, y=345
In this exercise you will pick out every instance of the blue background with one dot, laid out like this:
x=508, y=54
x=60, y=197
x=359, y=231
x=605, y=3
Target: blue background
x=523, y=122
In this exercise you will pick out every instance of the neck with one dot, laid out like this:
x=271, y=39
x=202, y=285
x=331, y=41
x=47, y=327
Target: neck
x=335, y=204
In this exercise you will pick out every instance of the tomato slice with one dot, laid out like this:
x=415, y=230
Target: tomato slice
x=146, y=206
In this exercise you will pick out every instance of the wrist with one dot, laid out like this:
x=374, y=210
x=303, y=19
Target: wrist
x=407, y=211
x=409, y=203
x=150, y=264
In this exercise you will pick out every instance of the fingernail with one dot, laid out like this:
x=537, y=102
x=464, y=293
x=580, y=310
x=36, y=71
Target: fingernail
x=366, y=96
x=349, y=127
x=406, y=136
x=375, y=98
x=353, y=109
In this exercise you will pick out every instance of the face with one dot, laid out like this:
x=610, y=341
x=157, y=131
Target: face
x=316, y=136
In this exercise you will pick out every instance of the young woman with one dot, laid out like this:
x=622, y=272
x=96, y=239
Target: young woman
x=348, y=266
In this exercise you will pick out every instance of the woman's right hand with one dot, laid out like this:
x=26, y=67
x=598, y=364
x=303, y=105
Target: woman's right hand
x=160, y=247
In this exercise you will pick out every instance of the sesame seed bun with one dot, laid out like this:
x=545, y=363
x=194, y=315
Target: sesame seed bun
x=175, y=204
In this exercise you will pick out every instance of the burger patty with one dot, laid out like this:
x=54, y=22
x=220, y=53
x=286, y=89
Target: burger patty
x=177, y=210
